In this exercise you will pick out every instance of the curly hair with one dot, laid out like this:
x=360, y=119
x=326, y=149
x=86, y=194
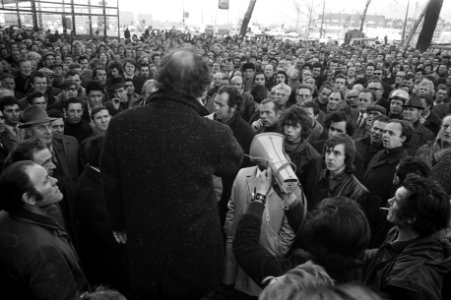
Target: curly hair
x=427, y=204
x=296, y=115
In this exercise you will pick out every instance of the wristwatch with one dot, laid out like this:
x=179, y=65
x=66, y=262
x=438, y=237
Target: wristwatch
x=257, y=197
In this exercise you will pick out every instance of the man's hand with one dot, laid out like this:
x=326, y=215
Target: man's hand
x=120, y=237
x=264, y=182
x=257, y=124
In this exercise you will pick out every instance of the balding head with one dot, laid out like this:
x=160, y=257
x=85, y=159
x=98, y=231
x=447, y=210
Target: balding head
x=183, y=71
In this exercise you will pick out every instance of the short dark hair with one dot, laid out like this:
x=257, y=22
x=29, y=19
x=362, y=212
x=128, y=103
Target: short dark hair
x=295, y=115
x=71, y=73
x=339, y=116
x=426, y=203
x=130, y=61
x=34, y=95
x=313, y=105
x=14, y=182
x=183, y=71
x=413, y=165
x=235, y=98
x=350, y=149
x=8, y=101
x=380, y=118
x=406, y=128
x=55, y=113
x=37, y=74
x=93, y=148
x=94, y=73
x=72, y=101
x=94, y=85
x=96, y=109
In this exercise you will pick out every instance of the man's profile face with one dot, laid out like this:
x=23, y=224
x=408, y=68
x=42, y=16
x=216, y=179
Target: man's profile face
x=74, y=113
x=223, y=111
x=2, y=122
x=268, y=115
x=44, y=185
x=395, y=204
x=44, y=158
x=42, y=131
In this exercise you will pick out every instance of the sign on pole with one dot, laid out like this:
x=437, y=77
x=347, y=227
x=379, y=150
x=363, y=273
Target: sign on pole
x=223, y=4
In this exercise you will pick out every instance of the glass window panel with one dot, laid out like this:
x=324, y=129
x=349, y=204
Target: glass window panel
x=53, y=8
x=97, y=25
x=81, y=9
x=112, y=29
x=82, y=25
x=26, y=19
x=25, y=5
x=86, y=2
x=8, y=18
x=50, y=22
x=96, y=10
x=111, y=11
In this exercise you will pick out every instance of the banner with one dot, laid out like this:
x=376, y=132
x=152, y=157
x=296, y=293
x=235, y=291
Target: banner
x=223, y=4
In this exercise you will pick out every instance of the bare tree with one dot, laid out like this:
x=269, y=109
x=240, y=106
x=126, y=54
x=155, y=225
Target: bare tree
x=247, y=17
x=368, y=2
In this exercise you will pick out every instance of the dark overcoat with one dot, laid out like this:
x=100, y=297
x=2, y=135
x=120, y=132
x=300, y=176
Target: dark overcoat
x=157, y=166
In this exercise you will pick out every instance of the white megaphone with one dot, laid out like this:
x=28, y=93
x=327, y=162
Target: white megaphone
x=268, y=147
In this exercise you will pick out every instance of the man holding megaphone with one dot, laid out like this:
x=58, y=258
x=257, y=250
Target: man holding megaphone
x=277, y=232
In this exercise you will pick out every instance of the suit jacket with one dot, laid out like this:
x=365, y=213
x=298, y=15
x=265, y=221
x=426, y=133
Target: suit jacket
x=157, y=166
x=71, y=152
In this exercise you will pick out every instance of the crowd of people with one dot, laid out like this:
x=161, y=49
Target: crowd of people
x=129, y=169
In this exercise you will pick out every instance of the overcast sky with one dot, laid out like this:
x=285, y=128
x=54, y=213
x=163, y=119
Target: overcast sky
x=269, y=11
